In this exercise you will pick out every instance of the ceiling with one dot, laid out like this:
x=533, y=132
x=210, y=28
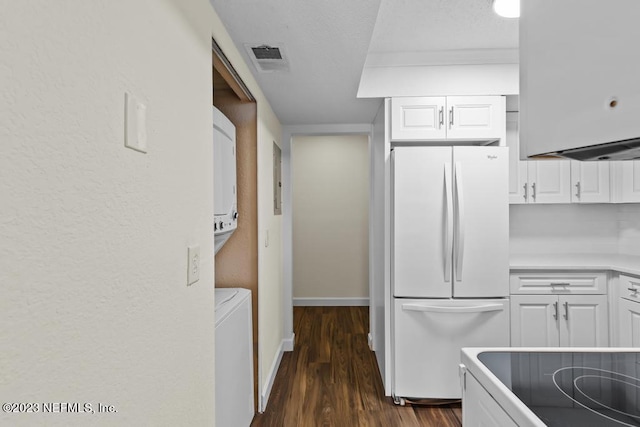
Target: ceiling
x=327, y=42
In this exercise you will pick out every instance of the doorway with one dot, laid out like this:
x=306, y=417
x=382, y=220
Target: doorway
x=330, y=213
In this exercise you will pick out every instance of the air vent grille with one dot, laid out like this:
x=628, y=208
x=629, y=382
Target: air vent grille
x=268, y=58
x=266, y=52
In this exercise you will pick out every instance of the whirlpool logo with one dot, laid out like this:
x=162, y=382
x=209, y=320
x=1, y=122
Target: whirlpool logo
x=491, y=156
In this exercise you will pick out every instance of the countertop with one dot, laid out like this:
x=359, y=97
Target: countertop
x=627, y=264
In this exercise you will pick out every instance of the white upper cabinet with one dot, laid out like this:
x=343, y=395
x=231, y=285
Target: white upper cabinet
x=590, y=182
x=549, y=181
x=462, y=118
x=534, y=181
x=476, y=117
x=418, y=118
x=627, y=181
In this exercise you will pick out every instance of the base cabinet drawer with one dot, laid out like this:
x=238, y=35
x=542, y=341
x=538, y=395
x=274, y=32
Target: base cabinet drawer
x=629, y=287
x=558, y=282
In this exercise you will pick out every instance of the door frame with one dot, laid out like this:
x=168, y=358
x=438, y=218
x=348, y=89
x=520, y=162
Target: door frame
x=288, y=132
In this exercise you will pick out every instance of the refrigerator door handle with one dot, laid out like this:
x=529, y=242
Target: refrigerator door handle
x=448, y=309
x=460, y=225
x=448, y=244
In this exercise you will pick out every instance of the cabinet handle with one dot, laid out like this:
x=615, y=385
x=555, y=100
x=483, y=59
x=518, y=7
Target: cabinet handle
x=526, y=189
x=533, y=190
x=451, y=118
x=560, y=284
x=578, y=190
x=566, y=310
x=555, y=310
x=441, y=114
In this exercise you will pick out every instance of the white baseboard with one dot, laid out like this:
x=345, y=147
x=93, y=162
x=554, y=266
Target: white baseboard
x=339, y=302
x=288, y=343
x=266, y=391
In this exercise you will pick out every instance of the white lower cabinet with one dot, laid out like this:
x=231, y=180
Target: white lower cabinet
x=559, y=320
x=629, y=311
x=479, y=409
x=629, y=321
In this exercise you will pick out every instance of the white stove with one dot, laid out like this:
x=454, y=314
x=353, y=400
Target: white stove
x=551, y=387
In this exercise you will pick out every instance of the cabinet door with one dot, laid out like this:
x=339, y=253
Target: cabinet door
x=475, y=117
x=590, y=182
x=517, y=167
x=418, y=118
x=534, y=321
x=629, y=321
x=549, y=181
x=479, y=409
x=584, y=321
x=630, y=181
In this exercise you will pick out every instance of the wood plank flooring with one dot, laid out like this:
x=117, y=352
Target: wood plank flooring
x=331, y=379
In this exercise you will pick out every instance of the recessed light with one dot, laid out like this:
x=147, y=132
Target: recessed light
x=507, y=8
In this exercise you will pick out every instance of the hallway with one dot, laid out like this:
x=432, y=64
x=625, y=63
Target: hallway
x=331, y=378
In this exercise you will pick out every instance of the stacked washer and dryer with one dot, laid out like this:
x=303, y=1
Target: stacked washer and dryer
x=234, y=335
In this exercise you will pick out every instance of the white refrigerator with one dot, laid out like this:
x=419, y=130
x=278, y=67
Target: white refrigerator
x=450, y=263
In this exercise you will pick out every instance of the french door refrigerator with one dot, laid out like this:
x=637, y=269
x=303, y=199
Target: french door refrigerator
x=450, y=263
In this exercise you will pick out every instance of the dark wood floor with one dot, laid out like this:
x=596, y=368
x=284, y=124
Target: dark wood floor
x=331, y=378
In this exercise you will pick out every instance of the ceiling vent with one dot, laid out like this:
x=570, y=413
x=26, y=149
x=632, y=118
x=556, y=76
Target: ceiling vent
x=267, y=58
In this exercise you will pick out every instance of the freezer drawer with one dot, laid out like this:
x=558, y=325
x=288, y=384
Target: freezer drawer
x=428, y=336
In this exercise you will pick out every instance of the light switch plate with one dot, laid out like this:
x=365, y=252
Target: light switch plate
x=193, y=264
x=135, y=123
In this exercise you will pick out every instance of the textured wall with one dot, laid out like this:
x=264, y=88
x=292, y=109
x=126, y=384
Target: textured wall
x=94, y=305
x=330, y=182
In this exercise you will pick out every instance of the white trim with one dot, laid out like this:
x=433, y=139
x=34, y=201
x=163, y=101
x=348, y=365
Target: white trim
x=266, y=391
x=439, y=80
x=329, y=302
x=442, y=57
x=287, y=216
x=289, y=343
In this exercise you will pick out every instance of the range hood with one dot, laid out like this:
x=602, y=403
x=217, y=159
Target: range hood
x=628, y=149
x=580, y=79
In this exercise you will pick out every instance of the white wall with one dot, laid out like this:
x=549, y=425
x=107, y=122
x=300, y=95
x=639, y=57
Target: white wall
x=330, y=187
x=378, y=293
x=94, y=305
x=629, y=229
x=566, y=228
x=574, y=228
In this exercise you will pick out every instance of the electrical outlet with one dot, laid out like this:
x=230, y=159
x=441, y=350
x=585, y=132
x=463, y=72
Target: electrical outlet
x=193, y=264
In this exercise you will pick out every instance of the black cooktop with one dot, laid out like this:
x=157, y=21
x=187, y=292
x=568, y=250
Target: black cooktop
x=572, y=389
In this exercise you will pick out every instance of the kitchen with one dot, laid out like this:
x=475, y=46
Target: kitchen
x=542, y=216
x=116, y=199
